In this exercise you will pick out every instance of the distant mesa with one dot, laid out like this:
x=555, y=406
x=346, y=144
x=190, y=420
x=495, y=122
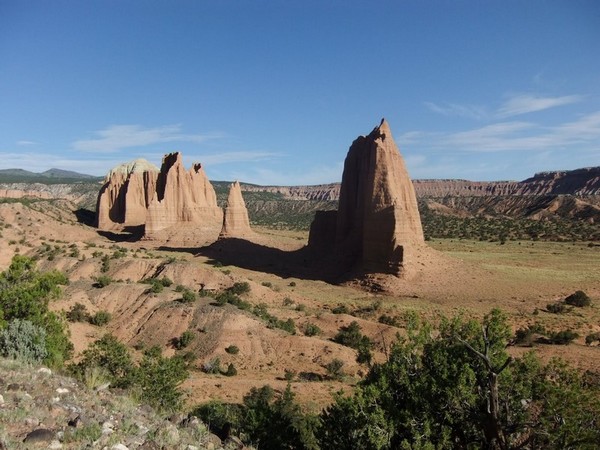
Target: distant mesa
x=164, y=201
x=377, y=227
x=236, y=222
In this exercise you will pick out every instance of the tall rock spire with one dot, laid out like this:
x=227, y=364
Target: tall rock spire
x=377, y=225
x=235, y=220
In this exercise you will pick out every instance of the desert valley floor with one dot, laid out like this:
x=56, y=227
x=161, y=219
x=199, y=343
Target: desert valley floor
x=454, y=277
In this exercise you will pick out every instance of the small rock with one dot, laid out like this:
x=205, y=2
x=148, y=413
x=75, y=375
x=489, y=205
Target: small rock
x=149, y=445
x=31, y=422
x=108, y=428
x=1, y=400
x=55, y=444
x=44, y=371
x=191, y=447
x=39, y=435
x=62, y=390
x=119, y=447
x=75, y=422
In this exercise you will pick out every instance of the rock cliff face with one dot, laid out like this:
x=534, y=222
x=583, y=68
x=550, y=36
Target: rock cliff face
x=235, y=219
x=126, y=194
x=182, y=198
x=377, y=225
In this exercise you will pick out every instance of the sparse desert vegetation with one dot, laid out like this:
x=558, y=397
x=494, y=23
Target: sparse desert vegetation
x=242, y=339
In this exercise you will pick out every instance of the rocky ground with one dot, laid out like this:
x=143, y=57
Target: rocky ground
x=43, y=409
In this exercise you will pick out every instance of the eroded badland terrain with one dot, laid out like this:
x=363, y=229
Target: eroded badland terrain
x=163, y=258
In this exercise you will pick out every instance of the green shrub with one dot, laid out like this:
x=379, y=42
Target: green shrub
x=100, y=319
x=78, y=313
x=184, y=340
x=557, y=308
x=156, y=286
x=591, y=338
x=310, y=329
x=289, y=374
x=188, y=296
x=105, y=264
x=292, y=284
x=103, y=281
x=524, y=336
x=564, y=337
x=340, y=309
x=350, y=336
x=335, y=369
x=240, y=288
x=110, y=354
x=231, y=370
x=179, y=288
x=157, y=380
x=166, y=282
x=579, y=299
x=232, y=350
x=25, y=294
x=24, y=341
x=213, y=366
x=389, y=320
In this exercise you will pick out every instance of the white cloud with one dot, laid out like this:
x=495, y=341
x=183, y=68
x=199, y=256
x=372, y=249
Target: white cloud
x=24, y=142
x=453, y=109
x=582, y=134
x=117, y=137
x=526, y=103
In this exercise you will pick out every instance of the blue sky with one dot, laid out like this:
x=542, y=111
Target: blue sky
x=274, y=92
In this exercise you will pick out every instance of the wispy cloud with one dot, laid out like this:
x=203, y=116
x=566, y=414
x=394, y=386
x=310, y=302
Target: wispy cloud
x=582, y=134
x=117, y=137
x=454, y=109
x=24, y=143
x=526, y=103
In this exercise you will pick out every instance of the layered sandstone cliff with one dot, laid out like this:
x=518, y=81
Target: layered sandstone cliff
x=126, y=194
x=182, y=198
x=579, y=182
x=236, y=222
x=377, y=227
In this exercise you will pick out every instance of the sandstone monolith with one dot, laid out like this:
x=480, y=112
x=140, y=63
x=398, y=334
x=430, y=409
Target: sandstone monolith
x=377, y=228
x=126, y=194
x=236, y=222
x=182, y=198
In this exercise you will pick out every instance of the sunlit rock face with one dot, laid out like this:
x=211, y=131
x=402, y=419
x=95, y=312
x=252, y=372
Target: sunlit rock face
x=377, y=227
x=126, y=194
x=236, y=222
x=182, y=198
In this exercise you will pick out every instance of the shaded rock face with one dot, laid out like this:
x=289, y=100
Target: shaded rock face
x=182, y=198
x=377, y=226
x=126, y=194
x=235, y=219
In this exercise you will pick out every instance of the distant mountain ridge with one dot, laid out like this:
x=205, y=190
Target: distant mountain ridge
x=578, y=182
x=50, y=173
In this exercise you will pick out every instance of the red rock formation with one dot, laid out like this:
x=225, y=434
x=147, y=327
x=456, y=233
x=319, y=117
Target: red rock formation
x=378, y=227
x=235, y=219
x=125, y=195
x=182, y=198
